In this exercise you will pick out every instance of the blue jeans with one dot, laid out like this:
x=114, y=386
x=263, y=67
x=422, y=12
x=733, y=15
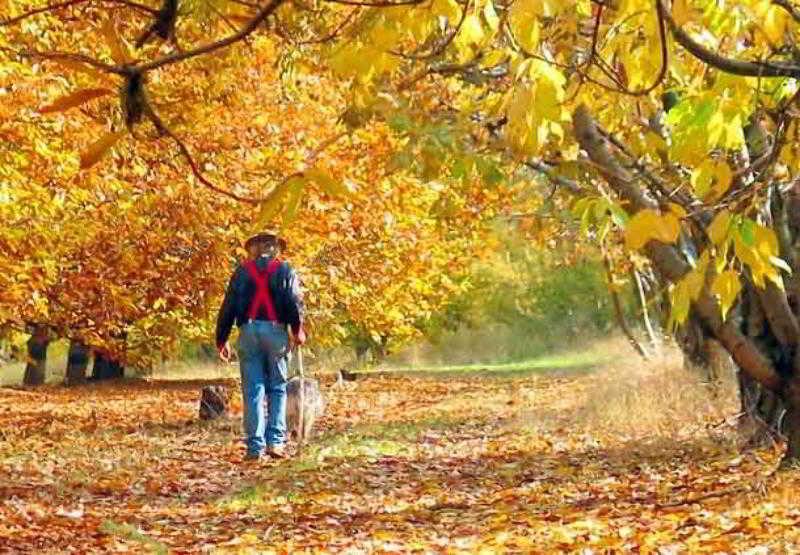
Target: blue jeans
x=263, y=350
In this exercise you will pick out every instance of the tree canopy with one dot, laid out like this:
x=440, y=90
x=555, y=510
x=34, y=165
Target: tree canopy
x=672, y=124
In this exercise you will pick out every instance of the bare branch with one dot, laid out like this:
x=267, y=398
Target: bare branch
x=69, y=3
x=67, y=56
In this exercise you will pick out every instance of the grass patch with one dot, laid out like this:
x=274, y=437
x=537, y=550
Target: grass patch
x=128, y=532
x=572, y=361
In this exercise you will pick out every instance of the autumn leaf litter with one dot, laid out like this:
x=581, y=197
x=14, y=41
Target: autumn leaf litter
x=538, y=462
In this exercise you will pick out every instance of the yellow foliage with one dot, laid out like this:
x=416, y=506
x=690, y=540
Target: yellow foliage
x=649, y=225
x=719, y=229
x=726, y=288
x=686, y=291
x=711, y=179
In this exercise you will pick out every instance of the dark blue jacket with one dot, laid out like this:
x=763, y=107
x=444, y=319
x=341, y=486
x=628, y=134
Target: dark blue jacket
x=284, y=287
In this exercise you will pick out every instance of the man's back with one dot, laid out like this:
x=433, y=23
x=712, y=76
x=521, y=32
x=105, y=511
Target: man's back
x=284, y=291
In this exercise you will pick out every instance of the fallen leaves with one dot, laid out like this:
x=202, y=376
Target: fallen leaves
x=437, y=465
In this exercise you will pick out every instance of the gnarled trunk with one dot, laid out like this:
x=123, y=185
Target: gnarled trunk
x=36, y=368
x=77, y=363
x=762, y=334
x=762, y=413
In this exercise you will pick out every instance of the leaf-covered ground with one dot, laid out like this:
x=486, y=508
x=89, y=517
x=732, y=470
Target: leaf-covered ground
x=521, y=462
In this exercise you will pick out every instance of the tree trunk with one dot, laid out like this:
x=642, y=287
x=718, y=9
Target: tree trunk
x=106, y=368
x=362, y=352
x=761, y=413
x=791, y=426
x=763, y=339
x=77, y=363
x=789, y=422
x=381, y=350
x=700, y=351
x=36, y=369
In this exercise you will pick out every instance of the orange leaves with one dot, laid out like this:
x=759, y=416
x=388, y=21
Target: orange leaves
x=74, y=99
x=331, y=186
x=470, y=463
x=250, y=125
x=274, y=201
x=119, y=51
x=95, y=152
x=294, y=195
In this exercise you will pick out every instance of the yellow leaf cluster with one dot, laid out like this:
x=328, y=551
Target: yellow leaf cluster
x=535, y=109
x=686, y=291
x=649, y=225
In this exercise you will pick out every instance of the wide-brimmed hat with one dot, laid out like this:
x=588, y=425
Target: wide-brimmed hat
x=266, y=237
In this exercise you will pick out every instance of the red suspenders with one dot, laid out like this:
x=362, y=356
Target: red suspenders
x=262, y=296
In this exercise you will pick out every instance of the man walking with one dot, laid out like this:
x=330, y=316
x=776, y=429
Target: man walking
x=263, y=299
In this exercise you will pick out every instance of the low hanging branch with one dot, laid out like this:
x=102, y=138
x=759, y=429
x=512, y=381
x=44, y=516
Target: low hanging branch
x=666, y=258
x=728, y=65
x=68, y=4
x=165, y=130
x=124, y=69
x=136, y=107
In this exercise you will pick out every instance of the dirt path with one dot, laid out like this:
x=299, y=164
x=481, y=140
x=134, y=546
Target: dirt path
x=523, y=464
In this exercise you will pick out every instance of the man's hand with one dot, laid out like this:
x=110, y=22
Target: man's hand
x=298, y=338
x=225, y=352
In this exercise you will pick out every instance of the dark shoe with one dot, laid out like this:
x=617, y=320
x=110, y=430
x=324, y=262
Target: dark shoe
x=253, y=457
x=277, y=452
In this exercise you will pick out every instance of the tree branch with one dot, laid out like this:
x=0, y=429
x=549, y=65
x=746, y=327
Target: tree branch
x=617, y=304
x=163, y=128
x=193, y=165
x=793, y=10
x=728, y=65
x=667, y=259
x=67, y=56
x=779, y=314
x=251, y=26
x=377, y=4
x=70, y=3
x=544, y=169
